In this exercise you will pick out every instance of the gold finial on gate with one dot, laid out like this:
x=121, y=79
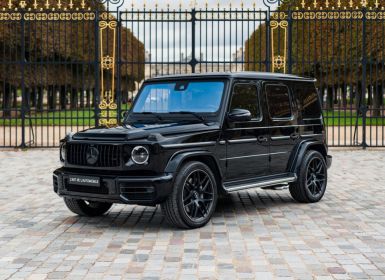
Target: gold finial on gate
x=10, y=5
x=35, y=4
x=303, y=4
x=315, y=4
x=351, y=3
x=242, y=4
x=327, y=3
x=339, y=4
x=377, y=4
x=364, y=3
x=59, y=4
x=254, y=5
x=83, y=4
x=22, y=4
x=47, y=4
x=71, y=5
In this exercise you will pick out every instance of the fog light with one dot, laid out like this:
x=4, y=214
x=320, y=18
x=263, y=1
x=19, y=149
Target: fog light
x=140, y=155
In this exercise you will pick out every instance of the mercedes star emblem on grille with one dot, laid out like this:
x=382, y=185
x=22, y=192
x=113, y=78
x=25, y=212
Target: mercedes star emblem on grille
x=92, y=155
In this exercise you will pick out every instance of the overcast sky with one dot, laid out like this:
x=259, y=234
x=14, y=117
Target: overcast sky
x=216, y=42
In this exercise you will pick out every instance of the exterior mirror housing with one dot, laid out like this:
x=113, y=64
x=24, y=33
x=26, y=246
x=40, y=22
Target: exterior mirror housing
x=239, y=115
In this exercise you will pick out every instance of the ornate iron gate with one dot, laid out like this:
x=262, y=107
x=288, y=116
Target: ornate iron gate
x=67, y=65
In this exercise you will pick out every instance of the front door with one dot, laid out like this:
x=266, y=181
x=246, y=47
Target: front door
x=284, y=132
x=247, y=141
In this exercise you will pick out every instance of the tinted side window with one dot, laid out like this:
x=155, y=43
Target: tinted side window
x=308, y=102
x=245, y=96
x=278, y=100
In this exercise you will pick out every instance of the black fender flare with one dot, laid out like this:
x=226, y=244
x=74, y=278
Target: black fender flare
x=177, y=160
x=300, y=152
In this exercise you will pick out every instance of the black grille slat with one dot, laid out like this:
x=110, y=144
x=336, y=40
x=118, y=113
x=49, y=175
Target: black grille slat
x=113, y=159
x=102, y=155
x=105, y=155
x=109, y=155
x=78, y=155
x=108, y=152
x=81, y=153
x=111, y=151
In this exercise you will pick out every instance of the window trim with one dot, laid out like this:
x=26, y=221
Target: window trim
x=258, y=103
x=290, y=102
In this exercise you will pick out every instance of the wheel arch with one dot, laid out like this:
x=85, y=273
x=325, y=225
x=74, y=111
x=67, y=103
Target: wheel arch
x=301, y=151
x=205, y=157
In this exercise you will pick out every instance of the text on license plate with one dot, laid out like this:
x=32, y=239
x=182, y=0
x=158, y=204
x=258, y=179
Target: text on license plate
x=84, y=181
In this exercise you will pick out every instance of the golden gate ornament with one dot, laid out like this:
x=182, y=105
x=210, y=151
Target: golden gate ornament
x=108, y=106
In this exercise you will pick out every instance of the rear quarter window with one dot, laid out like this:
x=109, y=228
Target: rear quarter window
x=278, y=100
x=308, y=102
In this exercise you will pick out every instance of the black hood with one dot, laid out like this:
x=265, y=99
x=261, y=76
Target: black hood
x=141, y=131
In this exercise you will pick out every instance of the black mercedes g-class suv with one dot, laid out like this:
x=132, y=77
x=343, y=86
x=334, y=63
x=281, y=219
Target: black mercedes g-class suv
x=188, y=139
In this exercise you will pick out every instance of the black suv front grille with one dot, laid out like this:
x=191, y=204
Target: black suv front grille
x=107, y=155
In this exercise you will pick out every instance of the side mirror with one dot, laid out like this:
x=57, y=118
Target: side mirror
x=239, y=115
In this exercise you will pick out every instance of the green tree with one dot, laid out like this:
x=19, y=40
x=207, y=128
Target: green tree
x=59, y=57
x=330, y=50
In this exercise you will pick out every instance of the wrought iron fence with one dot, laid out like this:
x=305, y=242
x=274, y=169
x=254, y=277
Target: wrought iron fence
x=71, y=64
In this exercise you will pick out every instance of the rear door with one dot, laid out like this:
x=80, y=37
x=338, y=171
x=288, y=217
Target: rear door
x=284, y=132
x=247, y=141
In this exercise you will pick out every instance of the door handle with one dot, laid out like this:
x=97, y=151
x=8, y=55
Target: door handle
x=294, y=136
x=262, y=139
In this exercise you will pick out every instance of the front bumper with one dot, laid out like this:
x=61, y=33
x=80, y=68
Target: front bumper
x=329, y=160
x=116, y=188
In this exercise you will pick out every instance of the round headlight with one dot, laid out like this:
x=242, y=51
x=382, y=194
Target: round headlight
x=63, y=152
x=140, y=155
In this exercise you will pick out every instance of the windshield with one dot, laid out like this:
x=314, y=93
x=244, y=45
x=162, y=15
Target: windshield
x=181, y=96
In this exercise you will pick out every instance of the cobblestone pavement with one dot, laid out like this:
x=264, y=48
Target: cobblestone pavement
x=255, y=234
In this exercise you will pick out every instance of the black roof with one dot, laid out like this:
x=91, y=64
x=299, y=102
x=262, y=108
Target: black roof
x=239, y=75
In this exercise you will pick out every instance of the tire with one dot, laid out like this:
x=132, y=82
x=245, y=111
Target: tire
x=87, y=208
x=311, y=184
x=194, y=197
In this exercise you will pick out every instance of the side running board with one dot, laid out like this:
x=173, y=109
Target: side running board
x=260, y=184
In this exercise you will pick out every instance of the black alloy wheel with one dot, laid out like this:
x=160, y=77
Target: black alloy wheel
x=311, y=184
x=316, y=176
x=194, y=196
x=198, y=195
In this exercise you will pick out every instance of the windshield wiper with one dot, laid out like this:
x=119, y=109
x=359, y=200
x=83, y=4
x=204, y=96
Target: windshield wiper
x=197, y=116
x=153, y=114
